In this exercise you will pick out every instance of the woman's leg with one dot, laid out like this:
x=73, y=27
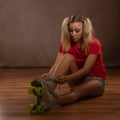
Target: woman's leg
x=90, y=88
x=67, y=65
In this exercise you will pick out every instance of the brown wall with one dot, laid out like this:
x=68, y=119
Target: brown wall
x=30, y=29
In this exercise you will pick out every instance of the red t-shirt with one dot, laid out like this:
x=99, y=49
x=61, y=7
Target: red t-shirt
x=98, y=69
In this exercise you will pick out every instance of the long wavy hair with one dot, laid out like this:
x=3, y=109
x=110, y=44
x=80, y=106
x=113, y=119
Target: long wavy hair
x=87, y=32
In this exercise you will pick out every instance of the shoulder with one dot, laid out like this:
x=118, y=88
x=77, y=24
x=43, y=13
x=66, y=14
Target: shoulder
x=95, y=41
x=95, y=46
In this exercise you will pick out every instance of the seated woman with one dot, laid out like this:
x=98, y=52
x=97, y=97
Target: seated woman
x=79, y=64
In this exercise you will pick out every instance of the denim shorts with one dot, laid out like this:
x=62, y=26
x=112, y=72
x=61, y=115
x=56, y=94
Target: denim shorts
x=102, y=81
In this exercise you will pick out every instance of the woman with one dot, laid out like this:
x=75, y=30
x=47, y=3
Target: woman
x=79, y=64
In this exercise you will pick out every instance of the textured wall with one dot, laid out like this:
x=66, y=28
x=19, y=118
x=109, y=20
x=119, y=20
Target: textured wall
x=30, y=29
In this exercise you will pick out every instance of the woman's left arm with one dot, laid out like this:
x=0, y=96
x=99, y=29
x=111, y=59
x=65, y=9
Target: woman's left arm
x=86, y=68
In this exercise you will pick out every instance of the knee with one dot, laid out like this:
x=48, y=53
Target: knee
x=69, y=58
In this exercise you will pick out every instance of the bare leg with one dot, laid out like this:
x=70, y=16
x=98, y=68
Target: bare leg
x=66, y=66
x=89, y=88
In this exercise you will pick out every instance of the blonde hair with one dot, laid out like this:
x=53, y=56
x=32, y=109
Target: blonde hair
x=87, y=32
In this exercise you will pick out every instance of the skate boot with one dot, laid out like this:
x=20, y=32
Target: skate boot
x=45, y=100
x=51, y=83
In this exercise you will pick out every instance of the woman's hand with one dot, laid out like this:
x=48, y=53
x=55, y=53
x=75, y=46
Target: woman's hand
x=45, y=76
x=61, y=79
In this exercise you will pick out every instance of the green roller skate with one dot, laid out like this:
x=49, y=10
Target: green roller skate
x=38, y=107
x=45, y=100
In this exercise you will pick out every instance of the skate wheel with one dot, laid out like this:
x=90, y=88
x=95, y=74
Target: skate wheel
x=40, y=109
x=38, y=91
x=31, y=89
x=36, y=109
x=31, y=108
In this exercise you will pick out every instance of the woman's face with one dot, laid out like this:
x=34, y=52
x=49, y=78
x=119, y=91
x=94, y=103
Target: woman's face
x=76, y=31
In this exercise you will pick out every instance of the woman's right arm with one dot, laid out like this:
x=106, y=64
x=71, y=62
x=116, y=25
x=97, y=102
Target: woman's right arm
x=52, y=70
x=57, y=61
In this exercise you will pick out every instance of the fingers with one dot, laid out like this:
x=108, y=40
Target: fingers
x=60, y=79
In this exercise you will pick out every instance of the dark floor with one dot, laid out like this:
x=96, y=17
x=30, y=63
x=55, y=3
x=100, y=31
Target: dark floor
x=14, y=98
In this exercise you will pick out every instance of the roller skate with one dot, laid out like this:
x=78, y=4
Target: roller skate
x=45, y=99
